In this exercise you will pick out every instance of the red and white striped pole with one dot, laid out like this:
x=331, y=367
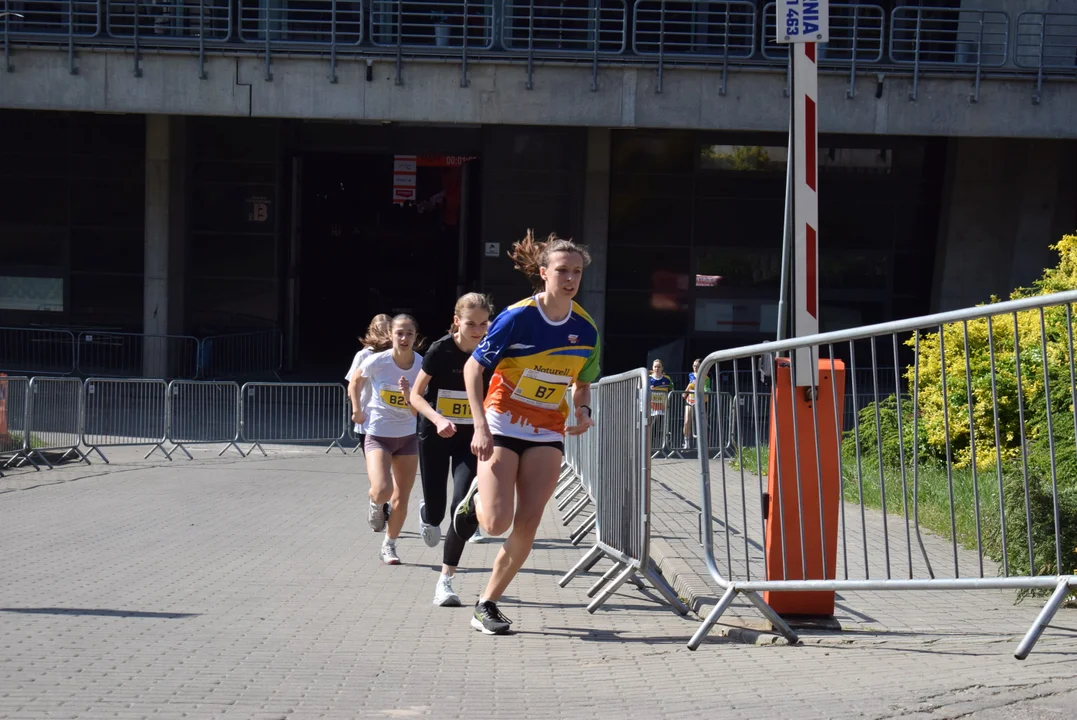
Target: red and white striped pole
x=800, y=25
x=805, y=205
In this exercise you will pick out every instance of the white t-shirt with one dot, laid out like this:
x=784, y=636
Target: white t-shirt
x=386, y=412
x=364, y=398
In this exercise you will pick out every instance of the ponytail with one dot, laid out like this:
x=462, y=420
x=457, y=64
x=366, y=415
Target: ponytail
x=529, y=255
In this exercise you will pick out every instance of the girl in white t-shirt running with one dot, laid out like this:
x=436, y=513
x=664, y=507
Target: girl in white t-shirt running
x=392, y=446
x=376, y=339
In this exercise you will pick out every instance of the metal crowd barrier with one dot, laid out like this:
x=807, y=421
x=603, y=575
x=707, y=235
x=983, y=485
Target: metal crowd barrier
x=13, y=394
x=203, y=413
x=37, y=350
x=120, y=354
x=669, y=438
x=294, y=412
x=260, y=352
x=124, y=413
x=615, y=463
x=53, y=419
x=961, y=455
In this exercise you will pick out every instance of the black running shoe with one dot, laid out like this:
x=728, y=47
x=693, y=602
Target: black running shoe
x=464, y=519
x=488, y=619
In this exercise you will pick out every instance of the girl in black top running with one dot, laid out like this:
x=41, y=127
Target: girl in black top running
x=445, y=429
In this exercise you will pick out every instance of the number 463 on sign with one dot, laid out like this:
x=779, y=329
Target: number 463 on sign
x=801, y=21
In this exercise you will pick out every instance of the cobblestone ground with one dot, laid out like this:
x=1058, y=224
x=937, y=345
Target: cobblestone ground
x=252, y=588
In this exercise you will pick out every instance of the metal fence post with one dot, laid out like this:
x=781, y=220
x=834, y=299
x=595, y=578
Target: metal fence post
x=851, y=92
x=463, y=50
x=71, y=39
x=399, y=42
x=597, y=40
x=725, y=52
x=916, y=58
x=201, y=39
x=269, y=73
x=1039, y=70
x=661, y=44
x=530, y=45
x=333, y=43
x=7, y=41
x=975, y=95
x=138, y=56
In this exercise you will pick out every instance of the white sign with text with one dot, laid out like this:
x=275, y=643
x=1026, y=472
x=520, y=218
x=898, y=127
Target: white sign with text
x=800, y=21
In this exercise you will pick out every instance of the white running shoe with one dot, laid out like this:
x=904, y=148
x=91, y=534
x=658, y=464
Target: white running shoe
x=477, y=537
x=377, y=516
x=431, y=534
x=388, y=554
x=444, y=595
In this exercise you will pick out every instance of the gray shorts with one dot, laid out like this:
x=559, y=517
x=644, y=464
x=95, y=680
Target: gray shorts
x=407, y=445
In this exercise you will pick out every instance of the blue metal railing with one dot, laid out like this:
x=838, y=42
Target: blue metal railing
x=914, y=40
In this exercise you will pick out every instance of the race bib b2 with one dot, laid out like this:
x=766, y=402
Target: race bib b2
x=393, y=397
x=542, y=390
x=453, y=405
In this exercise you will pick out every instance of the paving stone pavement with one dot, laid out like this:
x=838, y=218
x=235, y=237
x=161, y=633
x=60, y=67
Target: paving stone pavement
x=252, y=588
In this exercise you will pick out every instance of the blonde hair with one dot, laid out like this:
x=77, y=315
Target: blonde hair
x=377, y=336
x=529, y=254
x=471, y=301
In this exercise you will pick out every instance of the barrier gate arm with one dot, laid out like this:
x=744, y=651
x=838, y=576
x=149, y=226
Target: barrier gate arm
x=1061, y=584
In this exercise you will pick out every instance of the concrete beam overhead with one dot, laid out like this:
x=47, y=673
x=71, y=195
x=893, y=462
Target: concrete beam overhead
x=497, y=93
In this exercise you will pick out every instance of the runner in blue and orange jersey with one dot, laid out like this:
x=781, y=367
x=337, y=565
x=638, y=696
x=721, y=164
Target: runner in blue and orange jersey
x=537, y=349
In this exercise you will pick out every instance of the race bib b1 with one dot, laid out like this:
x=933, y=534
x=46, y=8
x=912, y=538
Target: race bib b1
x=542, y=390
x=453, y=405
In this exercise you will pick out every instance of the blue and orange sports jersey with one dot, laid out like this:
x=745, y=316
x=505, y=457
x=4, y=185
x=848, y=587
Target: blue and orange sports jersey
x=660, y=390
x=535, y=361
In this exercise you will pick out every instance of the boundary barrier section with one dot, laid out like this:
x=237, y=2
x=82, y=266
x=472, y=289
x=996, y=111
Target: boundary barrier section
x=960, y=455
x=203, y=412
x=255, y=353
x=294, y=412
x=13, y=394
x=615, y=464
x=37, y=350
x=124, y=413
x=53, y=419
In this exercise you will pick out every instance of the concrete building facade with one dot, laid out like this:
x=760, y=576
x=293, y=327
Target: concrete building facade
x=197, y=168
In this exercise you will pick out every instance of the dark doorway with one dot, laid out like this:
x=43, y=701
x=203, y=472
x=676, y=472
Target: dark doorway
x=361, y=254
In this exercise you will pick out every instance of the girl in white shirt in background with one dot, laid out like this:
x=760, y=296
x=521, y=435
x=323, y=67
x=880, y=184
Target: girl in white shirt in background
x=376, y=339
x=392, y=446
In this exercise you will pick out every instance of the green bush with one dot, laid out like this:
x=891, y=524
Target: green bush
x=1021, y=448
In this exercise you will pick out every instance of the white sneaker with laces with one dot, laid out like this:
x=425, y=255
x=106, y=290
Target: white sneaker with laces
x=376, y=517
x=443, y=593
x=478, y=537
x=388, y=554
x=431, y=534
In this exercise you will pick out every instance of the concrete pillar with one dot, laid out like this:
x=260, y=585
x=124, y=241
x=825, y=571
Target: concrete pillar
x=162, y=299
x=596, y=223
x=1004, y=202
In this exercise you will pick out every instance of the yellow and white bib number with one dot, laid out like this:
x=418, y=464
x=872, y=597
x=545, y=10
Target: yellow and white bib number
x=392, y=397
x=542, y=390
x=453, y=405
x=658, y=402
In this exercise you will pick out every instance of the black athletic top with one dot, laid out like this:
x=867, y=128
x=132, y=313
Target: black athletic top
x=444, y=363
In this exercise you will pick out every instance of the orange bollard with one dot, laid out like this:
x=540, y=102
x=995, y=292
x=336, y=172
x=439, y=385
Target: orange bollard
x=783, y=424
